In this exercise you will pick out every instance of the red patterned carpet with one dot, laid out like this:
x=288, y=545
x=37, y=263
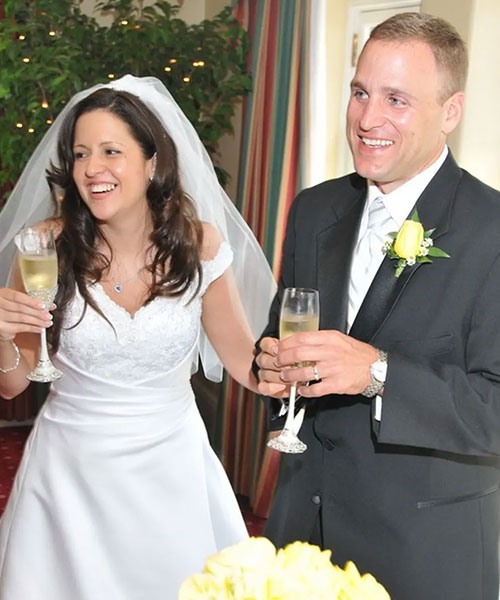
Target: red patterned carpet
x=12, y=441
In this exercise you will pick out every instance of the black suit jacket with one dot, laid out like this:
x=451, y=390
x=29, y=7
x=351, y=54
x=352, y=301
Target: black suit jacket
x=415, y=498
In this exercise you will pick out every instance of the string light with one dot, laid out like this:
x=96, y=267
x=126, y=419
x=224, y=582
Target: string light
x=26, y=59
x=44, y=104
x=172, y=61
x=31, y=130
x=19, y=125
x=124, y=22
x=21, y=37
x=111, y=75
x=198, y=63
x=167, y=69
x=137, y=26
x=186, y=79
x=48, y=121
x=52, y=33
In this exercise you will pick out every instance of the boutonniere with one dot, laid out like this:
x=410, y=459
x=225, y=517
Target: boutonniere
x=411, y=244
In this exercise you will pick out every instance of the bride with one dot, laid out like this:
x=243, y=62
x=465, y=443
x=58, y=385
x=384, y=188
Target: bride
x=119, y=495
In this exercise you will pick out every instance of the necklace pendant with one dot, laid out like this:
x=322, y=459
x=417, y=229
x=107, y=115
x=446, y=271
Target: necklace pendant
x=118, y=287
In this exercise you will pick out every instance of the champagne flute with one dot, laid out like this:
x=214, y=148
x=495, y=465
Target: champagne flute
x=299, y=312
x=38, y=263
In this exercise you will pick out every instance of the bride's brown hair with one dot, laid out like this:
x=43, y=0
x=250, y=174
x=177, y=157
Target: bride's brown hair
x=177, y=233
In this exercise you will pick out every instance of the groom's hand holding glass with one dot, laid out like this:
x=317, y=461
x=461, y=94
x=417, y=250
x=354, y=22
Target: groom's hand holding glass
x=340, y=364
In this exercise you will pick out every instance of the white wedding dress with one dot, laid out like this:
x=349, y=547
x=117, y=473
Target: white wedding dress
x=119, y=495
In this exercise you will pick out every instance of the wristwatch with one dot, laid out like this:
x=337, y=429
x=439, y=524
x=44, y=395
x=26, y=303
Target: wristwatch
x=378, y=373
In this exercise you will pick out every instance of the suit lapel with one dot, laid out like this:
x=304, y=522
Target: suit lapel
x=434, y=209
x=335, y=246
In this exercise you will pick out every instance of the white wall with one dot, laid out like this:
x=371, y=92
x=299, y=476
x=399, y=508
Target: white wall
x=335, y=15
x=479, y=144
x=191, y=11
x=476, y=144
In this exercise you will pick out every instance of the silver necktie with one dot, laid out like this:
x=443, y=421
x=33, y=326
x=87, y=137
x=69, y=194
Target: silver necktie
x=368, y=254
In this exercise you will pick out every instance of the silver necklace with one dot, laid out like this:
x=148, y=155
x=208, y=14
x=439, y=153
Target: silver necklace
x=118, y=286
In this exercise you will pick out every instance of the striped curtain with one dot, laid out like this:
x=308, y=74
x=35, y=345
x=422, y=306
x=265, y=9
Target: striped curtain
x=271, y=168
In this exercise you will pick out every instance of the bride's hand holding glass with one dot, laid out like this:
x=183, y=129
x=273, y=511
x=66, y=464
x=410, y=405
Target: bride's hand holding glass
x=19, y=314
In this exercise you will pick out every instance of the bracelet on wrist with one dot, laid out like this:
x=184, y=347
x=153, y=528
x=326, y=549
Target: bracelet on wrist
x=16, y=362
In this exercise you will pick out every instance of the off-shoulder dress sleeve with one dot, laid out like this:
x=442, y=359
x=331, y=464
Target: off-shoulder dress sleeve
x=214, y=268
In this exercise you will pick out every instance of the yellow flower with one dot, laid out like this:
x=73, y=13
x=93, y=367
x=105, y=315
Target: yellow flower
x=303, y=571
x=361, y=587
x=319, y=585
x=205, y=586
x=409, y=239
x=252, y=570
x=252, y=554
x=251, y=585
x=304, y=557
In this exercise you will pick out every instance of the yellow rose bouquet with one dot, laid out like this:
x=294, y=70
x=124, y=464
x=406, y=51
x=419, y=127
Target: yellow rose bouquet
x=254, y=570
x=411, y=244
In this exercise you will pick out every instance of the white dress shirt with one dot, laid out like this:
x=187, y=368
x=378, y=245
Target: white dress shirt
x=398, y=204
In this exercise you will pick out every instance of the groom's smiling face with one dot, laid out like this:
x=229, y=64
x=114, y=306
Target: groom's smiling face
x=397, y=121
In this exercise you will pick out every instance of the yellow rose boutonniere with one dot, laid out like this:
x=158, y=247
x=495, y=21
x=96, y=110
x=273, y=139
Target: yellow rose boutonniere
x=411, y=244
x=409, y=239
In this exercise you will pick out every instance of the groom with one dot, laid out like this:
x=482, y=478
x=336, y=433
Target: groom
x=402, y=470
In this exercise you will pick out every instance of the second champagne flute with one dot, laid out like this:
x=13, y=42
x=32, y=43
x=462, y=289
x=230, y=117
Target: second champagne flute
x=299, y=312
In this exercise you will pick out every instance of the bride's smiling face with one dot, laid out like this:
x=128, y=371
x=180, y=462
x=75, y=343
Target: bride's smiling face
x=110, y=169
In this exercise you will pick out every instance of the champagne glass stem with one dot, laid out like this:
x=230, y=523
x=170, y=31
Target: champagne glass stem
x=291, y=407
x=44, y=353
x=287, y=440
x=44, y=371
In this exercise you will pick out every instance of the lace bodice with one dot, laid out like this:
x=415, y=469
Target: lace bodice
x=154, y=340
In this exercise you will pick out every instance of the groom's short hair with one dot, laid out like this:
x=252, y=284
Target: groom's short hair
x=447, y=45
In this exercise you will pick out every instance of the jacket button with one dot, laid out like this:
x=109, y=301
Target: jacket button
x=328, y=445
x=316, y=499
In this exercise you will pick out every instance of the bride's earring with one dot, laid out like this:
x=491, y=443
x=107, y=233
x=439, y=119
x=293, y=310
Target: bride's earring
x=153, y=166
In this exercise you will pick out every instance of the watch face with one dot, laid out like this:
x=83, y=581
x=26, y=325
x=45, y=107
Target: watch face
x=379, y=370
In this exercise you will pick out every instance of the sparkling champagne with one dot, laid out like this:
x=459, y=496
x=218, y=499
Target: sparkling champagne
x=290, y=324
x=39, y=272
